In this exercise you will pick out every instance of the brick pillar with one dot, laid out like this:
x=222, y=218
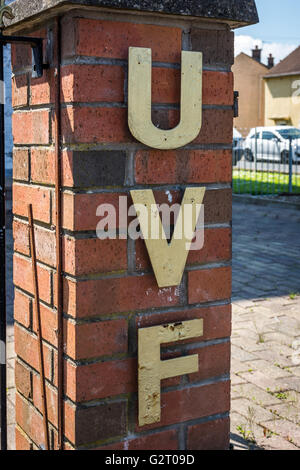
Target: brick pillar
x=109, y=287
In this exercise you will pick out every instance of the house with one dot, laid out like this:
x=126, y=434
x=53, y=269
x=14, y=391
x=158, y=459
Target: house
x=282, y=92
x=248, y=81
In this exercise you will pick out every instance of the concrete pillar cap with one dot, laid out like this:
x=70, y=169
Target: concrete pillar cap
x=234, y=13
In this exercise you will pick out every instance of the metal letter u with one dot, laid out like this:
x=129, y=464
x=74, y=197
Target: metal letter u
x=139, y=101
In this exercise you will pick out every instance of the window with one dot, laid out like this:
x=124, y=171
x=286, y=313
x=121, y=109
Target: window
x=268, y=136
x=256, y=136
x=291, y=133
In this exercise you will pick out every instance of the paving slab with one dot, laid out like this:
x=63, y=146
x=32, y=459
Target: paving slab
x=250, y=410
x=244, y=433
x=289, y=411
x=284, y=428
x=273, y=442
x=255, y=394
x=265, y=371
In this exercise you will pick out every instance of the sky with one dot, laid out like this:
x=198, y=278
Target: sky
x=278, y=31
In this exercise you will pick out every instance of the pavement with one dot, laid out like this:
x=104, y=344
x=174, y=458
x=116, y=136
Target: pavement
x=10, y=350
x=265, y=369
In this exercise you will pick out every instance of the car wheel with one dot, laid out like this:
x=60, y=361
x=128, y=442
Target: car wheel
x=249, y=155
x=285, y=157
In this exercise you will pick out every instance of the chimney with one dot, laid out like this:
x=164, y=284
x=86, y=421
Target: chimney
x=270, y=61
x=256, y=54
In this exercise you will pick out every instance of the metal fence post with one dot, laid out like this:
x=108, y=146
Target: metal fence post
x=3, y=411
x=255, y=150
x=291, y=167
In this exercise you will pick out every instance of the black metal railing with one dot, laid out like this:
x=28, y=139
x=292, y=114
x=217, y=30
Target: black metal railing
x=267, y=161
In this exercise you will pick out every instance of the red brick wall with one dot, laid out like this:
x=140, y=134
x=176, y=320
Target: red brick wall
x=109, y=288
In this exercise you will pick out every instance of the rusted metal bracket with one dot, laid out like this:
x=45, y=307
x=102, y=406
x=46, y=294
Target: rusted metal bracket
x=36, y=45
x=39, y=326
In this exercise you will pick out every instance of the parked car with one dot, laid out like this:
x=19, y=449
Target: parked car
x=237, y=147
x=272, y=143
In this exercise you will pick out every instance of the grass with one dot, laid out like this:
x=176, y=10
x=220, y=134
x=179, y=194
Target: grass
x=260, y=182
x=247, y=435
x=280, y=394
